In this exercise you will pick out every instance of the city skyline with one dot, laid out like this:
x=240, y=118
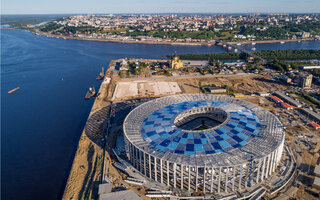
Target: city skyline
x=166, y=6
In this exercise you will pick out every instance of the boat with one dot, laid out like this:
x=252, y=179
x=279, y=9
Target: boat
x=239, y=44
x=91, y=93
x=282, y=42
x=13, y=90
x=253, y=49
x=101, y=75
x=253, y=43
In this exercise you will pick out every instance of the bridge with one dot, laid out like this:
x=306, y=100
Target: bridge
x=238, y=48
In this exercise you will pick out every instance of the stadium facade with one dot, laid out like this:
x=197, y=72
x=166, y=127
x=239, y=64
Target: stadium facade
x=204, y=143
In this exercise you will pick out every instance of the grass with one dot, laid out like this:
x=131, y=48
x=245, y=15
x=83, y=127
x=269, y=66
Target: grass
x=202, y=127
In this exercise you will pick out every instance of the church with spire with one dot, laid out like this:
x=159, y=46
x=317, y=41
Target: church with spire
x=176, y=62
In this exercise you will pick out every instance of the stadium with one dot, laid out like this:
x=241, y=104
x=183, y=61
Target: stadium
x=203, y=143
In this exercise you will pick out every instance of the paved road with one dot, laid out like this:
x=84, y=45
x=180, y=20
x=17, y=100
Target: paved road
x=250, y=53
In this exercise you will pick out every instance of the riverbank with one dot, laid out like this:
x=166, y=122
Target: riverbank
x=164, y=42
x=269, y=41
x=87, y=163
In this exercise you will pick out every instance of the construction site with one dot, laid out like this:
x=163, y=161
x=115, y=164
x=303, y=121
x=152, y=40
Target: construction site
x=111, y=165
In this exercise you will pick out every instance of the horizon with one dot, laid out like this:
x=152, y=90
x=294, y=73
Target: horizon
x=38, y=7
x=173, y=13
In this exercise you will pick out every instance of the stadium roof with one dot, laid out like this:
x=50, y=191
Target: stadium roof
x=249, y=131
x=158, y=129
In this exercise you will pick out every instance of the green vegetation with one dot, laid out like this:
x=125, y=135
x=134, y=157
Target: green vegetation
x=310, y=99
x=316, y=72
x=212, y=57
x=74, y=30
x=50, y=27
x=207, y=35
x=289, y=54
x=230, y=90
x=202, y=127
x=282, y=32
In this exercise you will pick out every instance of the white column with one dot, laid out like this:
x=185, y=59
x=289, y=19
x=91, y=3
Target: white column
x=168, y=174
x=212, y=173
x=226, y=182
x=271, y=163
x=174, y=175
x=150, y=172
x=219, y=180
x=196, y=179
x=204, y=179
x=140, y=157
x=131, y=154
x=263, y=168
x=275, y=161
x=189, y=170
x=155, y=169
x=181, y=176
x=247, y=177
x=161, y=169
x=267, y=169
x=233, y=177
x=144, y=164
x=137, y=162
x=258, y=173
x=241, y=171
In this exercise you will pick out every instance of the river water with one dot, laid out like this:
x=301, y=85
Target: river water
x=41, y=123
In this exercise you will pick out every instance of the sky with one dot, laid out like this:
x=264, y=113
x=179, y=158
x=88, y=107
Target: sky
x=158, y=6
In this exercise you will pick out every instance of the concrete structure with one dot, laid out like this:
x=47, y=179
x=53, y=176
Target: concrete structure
x=317, y=170
x=276, y=99
x=305, y=81
x=310, y=114
x=316, y=183
x=310, y=67
x=215, y=90
x=242, y=150
x=286, y=106
x=195, y=63
x=314, y=125
x=121, y=195
x=288, y=99
x=104, y=188
x=264, y=94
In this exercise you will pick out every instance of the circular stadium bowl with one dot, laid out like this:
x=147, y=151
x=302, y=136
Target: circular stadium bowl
x=204, y=143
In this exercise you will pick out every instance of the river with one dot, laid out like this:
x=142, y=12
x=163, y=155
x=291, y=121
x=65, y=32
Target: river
x=41, y=123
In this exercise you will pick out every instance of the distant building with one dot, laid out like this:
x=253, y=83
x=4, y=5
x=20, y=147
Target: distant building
x=288, y=99
x=263, y=94
x=310, y=67
x=316, y=126
x=286, y=106
x=305, y=81
x=305, y=35
x=276, y=99
x=285, y=79
x=215, y=90
x=176, y=63
x=310, y=114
